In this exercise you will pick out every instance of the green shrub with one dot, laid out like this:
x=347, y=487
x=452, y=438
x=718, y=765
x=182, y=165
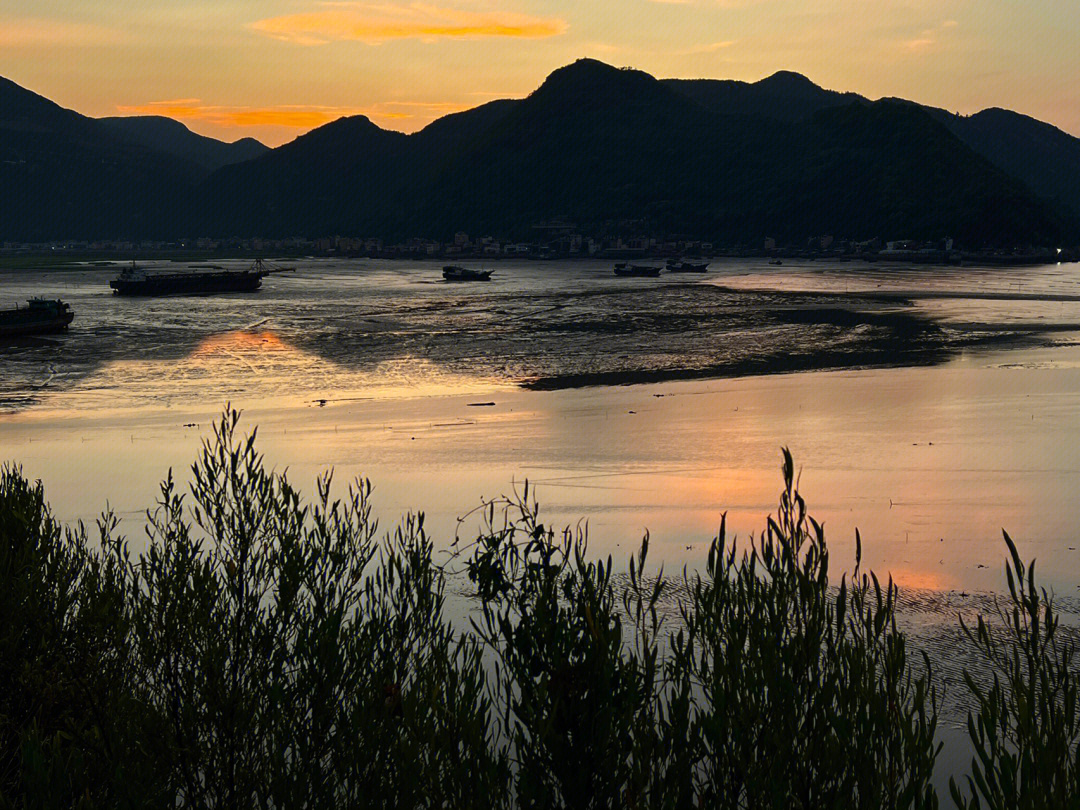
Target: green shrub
x=1026, y=725
x=805, y=693
x=579, y=698
x=65, y=692
x=290, y=659
x=269, y=652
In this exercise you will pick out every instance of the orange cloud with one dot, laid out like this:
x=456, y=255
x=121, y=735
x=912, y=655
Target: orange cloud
x=372, y=23
x=294, y=117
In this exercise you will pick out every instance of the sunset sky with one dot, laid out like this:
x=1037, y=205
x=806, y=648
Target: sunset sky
x=275, y=68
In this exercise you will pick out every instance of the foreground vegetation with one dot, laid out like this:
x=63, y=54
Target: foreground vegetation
x=265, y=651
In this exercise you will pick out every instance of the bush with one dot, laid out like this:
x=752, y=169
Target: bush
x=66, y=696
x=1026, y=727
x=806, y=694
x=269, y=652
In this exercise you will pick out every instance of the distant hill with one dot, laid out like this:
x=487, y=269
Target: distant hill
x=618, y=149
x=1043, y=157
x=64, y=175
x=784, y=96
x=1040, y=155
x=332, y=180
x=612, y=150
x=172, y=137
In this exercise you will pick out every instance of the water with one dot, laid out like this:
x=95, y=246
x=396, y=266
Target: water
x=946, y=409
x=381, y=369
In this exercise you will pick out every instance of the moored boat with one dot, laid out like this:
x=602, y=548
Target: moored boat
x=636, y=270
x=453, y=272
x=674, y=266
x=134, y=280
x=40, y=316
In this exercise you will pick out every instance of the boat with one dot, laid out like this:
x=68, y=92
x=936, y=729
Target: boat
x=134, y=280
x=636, y=270
x=453, y=272
x=674, y=266
x=776, y=262
x=40, y=316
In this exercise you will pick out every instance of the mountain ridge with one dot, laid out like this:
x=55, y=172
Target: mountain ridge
x=608, y=147
x=169, y=135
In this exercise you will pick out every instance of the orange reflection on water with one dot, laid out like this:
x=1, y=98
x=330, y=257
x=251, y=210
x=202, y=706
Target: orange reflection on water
x=228, y=342
x=251, y=369
x=923, y=579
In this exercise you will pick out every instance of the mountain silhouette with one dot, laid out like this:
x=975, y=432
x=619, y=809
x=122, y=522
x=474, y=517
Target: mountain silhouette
x=65, y=175
x=616, y=151
x=784, y=96
x=619, y=151
x=171, y=137
x=1043, y=157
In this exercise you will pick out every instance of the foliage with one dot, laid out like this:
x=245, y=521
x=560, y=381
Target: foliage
x=579, y=698
x=266, y=651
x=807, y=696
x=269, y=653
x=1026, y=726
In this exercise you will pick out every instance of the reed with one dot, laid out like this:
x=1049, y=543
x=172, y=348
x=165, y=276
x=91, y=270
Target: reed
x=267, y=650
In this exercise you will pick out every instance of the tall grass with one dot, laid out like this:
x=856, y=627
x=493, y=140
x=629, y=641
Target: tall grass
x=270, y=651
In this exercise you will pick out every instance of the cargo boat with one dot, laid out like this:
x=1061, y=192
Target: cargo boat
x=136, y=281
x=686, y=267
x=40, y=316
x=453, y=272
x=636, y=270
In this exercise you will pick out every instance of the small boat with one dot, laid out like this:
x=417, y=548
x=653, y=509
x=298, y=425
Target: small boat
x=453, y=272
x=636, y=270
x=674, y=266
x=776, y=262
x=136, y=281
x=40, y=316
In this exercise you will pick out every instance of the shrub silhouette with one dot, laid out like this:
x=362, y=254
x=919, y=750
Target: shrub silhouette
x=267, y=651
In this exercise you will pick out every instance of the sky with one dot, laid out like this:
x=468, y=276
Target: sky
x=273, y=69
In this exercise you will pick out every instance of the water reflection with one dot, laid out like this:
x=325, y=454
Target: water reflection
x=555, y=325
x=387, y=374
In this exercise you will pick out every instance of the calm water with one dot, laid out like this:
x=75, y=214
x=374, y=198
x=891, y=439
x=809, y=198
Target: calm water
x=381, y=370
x=377, y=369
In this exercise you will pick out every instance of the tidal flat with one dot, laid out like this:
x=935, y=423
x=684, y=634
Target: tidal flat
x=930, y=408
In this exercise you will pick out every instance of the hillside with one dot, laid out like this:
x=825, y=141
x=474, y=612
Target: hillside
x=616, y=151
x=166, y=135
x=67, y=176
x=1041, y=156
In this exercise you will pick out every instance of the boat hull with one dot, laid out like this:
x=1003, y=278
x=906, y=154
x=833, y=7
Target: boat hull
x=464, y=274
x=635, y=271
x=13, y=324
x=200, y=284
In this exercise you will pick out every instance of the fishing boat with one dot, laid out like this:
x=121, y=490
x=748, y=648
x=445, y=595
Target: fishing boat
x=134, y=280
x=674, y=266
x=39, y=316
x=453, y=272
x=636, y=270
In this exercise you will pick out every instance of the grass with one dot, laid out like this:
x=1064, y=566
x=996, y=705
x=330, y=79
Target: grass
x=272, y=651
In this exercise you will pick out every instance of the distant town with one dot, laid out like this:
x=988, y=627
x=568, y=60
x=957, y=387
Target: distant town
x=552, y=241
